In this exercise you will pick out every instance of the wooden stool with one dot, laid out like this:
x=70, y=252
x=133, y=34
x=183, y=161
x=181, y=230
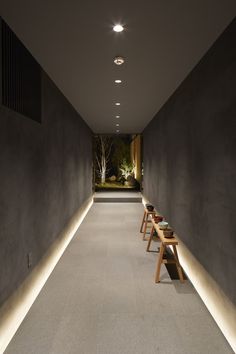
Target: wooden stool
x=165, y=242
x=146, y=220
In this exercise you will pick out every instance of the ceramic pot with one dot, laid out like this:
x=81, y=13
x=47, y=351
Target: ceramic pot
x=163, y=225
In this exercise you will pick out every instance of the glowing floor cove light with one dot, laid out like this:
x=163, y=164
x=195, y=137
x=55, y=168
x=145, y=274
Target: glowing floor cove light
x=19, y=304
x=220, y=307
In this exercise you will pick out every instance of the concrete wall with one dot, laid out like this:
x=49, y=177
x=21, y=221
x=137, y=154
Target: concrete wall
x=190, y=161
x=45, y=176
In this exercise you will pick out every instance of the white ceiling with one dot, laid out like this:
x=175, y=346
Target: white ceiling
x=74, y=43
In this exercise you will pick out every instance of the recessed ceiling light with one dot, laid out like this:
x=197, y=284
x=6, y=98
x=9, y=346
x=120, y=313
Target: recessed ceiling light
x=117, y=103
x=117, y=116
x=118, y=81
x=118, y=28
x=117, y=125
x=119, y=60
x=117, y=130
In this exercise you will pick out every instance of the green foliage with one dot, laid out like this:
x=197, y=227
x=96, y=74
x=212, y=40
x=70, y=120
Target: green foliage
x=121, y=151
x=113, y=185
x=127, y=168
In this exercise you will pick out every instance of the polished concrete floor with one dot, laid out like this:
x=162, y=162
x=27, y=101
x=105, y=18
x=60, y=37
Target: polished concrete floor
x=101, y=298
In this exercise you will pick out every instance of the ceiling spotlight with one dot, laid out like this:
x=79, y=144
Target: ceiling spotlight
x=117, y=130
x=117, y=116
x=117, y=103
x=118, y=81
x=118, y=28
x=117, y=125
x=119, y=60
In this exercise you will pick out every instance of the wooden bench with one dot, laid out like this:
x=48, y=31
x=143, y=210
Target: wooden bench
x=165, y=241
x=147, y=219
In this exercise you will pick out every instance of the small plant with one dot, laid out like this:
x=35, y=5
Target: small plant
x=126, y=168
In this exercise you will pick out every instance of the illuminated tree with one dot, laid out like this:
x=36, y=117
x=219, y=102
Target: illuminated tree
x=102, y=155
x=127, y=168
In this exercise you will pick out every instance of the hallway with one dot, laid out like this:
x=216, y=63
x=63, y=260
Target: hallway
x=101, y=298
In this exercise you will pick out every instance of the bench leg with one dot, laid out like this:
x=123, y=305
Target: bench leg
x=150, y=239
x=179, y=269
x=159, y=262
x=141, y=228
x=145, y=226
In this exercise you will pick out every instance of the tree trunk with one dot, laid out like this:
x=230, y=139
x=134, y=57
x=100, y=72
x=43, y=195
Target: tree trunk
x=103, y=174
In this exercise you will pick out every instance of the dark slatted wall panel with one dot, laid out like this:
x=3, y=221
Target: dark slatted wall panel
x=21, y=76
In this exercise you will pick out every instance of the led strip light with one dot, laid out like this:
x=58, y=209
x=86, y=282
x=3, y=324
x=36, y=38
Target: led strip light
x=17, y=306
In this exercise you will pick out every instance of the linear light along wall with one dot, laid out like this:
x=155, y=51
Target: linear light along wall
x=15, y=309
x=218, y=304
x=220, y=307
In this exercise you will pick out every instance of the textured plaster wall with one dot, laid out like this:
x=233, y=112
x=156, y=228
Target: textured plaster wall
x=190, y=161
x=45, y=176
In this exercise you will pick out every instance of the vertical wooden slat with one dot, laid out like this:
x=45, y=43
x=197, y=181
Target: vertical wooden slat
x=21, y=76
x=1, y=79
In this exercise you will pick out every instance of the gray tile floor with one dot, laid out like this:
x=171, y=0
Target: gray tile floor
x=101, y=298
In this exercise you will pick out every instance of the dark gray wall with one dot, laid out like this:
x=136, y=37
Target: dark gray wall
x=190, y=161
x=45, y=176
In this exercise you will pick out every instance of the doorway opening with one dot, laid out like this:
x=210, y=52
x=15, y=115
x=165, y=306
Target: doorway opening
x=117, y=162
